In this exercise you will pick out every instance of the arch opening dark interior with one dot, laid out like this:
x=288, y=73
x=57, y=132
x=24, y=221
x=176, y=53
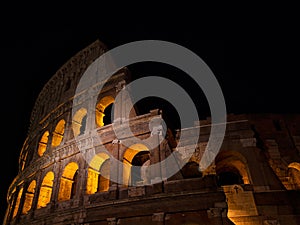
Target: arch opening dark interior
x=229, y=178
x=138, y=160
x=103, y=182
x=83, y=124
x=74, y=184
x=108, y=112
x=191, y=170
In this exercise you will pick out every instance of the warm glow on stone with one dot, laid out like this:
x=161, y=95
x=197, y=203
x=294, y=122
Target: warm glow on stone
x=66, y=181
x=97, y=161
x=98, y=174
x=43, y=143
x=103, y=183
x=92, y=181
x=58, y=133
x=240, y=203
x=100, y=107
x=126, y=172
x=294, y=176
x=46, y=190
x=235, y=161
x=17, y=202
x=78, y=121
x=127, y=160
x=29, y=197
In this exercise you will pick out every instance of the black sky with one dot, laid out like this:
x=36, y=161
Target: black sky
x=257, y=74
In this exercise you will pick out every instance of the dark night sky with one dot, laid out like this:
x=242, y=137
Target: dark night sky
x=256, y=74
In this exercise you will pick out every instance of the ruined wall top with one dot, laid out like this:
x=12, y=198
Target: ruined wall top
x=62, y=85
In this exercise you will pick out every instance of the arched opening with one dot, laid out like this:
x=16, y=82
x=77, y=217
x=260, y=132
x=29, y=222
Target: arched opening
x=68, y=182
x=294, y=176
x=137, y=163
x=43, y=143
x=74, y=185
x=230, y=177
x=104, y=111
x=46, y=190
x=108, y=112
x=79, y=122
x=191, y=170
x=98, y=174
x=29, y=197
x=103, y=183
x=231, y=168
x=58, y=133
x=134, y=159
x=17, y=205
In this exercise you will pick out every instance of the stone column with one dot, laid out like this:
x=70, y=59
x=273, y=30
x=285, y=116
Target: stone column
x=155, y=153
x=91, y=112
x=124, y=105
x=118, y=107
x=114, y=169
x=37, y=191
x=69, y=134
x=20, y=206
x=82, y=179
x=13, y=205
x=57, y=170
x=121, y=149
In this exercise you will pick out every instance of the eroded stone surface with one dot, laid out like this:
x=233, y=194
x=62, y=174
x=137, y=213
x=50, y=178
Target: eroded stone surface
x=254, y=179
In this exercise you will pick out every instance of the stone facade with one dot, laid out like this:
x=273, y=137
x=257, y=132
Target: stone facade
x=254, y=179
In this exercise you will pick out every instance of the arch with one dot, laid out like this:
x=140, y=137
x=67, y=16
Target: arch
x=17, y=205
x=79, y=122
x=29, y=197
x=74, y=184
x=68, y=182
x=144, y=172
x=46, y=190
x=98, y=174
x=136, y=155
x=58, y=133
x=108, y=115
x=230, y=176
x=191, y=170
x=103, y=181
x=294, y=175
x=231, y=168
x=294, y=165
x=43, y=143
x=101, y=112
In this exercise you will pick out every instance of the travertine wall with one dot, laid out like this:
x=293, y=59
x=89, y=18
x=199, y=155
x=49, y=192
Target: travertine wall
x=254, y=179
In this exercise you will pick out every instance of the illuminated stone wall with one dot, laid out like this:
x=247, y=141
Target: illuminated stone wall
x=254, y=179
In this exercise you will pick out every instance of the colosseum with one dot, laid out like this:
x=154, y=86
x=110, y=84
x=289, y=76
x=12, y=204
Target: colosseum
x=66, y=178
